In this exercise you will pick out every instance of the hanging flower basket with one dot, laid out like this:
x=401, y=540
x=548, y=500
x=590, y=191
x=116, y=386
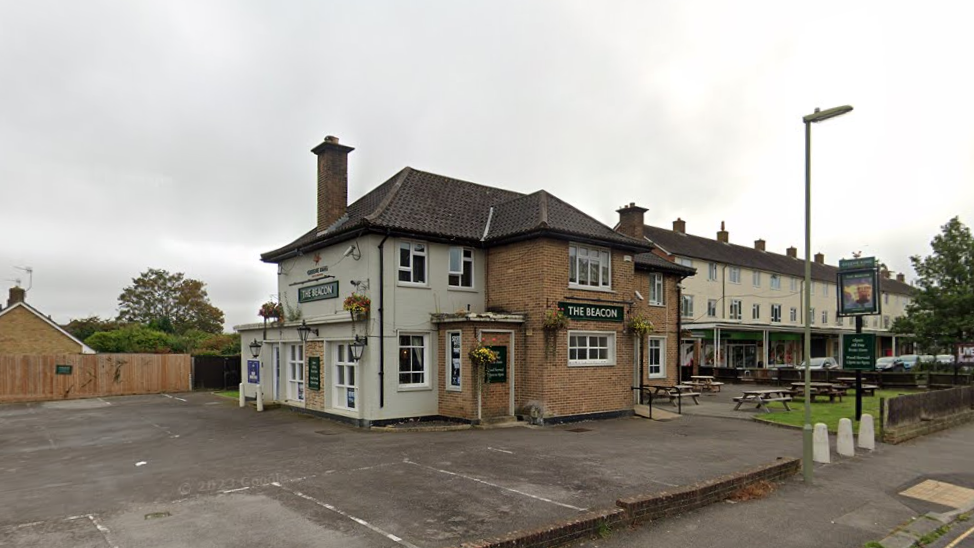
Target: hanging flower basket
x=640, y=325
x=357, y=304
x=480, y=355
x=554, y=319
x=270, y=310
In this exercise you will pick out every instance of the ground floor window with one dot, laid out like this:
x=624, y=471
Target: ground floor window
x=591, y=348
x=412, y=360
x=453, y=357
x=295, y=372
x=656, y=353
x=346, y=387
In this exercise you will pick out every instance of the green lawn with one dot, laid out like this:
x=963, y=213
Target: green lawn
x=235, y=394
x=830, y=413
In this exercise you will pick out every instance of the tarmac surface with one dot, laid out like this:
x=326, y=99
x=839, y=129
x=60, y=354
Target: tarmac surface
x=197, y=470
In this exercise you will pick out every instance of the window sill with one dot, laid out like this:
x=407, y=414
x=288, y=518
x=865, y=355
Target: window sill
x=591, y=365
x=454, y=389
x=413, y=388
x=658, y=305
x=462, y=289
x=412, y=285
x=590, y=288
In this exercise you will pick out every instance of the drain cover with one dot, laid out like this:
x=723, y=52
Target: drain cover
x=579, y=430
x=156, y=515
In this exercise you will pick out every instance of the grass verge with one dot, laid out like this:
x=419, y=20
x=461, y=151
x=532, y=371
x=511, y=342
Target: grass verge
x=235, y=394
x=830, y=413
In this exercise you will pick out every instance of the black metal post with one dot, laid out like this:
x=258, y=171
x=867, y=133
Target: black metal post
x=859, y=376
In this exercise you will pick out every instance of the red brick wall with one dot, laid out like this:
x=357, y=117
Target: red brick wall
x=496, y=396
x=665, y=320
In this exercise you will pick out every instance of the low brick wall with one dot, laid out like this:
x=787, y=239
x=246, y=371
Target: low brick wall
x=907, y=417
x=638, y=509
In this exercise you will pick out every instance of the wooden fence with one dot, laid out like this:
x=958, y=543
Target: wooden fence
x=26, y=377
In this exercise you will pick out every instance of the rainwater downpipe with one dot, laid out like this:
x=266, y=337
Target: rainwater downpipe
x=382, y=325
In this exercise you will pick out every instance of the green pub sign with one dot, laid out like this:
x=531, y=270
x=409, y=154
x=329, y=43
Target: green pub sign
x=63, y=369
x=314, y=373
x=318, y=292
x=593, y=312
x=496, y=371
x=859, y=351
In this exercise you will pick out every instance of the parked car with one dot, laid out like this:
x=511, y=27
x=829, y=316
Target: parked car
x=822, y=363
x=945, y=359
x=911, y=360
x=890, y=363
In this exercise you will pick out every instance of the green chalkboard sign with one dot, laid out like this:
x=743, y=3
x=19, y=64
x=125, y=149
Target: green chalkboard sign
x=63, y=369
x=859, y=351
x=496, y=371
x=314, y=373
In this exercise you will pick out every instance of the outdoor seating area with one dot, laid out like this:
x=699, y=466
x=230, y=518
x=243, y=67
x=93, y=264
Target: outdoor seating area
x=674, y=393
x=705, y=383
x=763, y=397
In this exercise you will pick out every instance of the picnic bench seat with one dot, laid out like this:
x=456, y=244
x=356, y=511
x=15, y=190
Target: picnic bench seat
x=675, y=395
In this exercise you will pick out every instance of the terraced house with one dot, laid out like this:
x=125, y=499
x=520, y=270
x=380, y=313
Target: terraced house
x=444, y=266
x=744, y=306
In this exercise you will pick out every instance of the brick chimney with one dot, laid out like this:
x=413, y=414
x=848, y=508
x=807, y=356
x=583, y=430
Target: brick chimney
x=792, y=252
x=17, y=295
x=722, y=235
x=332, y=181
x=631, y=221
x=901, y=278
x=679, y=225
x=820, y=258
x=884, y=273
x=759, y=245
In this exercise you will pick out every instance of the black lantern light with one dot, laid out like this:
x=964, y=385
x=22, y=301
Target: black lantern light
x=304, y=331
x=358, y=346
x=255, y=348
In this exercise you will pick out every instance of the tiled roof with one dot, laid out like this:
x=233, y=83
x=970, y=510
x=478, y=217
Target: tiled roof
x=425, y=204
x=698, y=247
x=651, y=261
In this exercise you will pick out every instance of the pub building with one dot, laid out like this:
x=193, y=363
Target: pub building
x=383, y=300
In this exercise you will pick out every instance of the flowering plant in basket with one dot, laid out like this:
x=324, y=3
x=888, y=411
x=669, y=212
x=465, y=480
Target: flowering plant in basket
x=640, y=325
x=357, y=303
x=554, y=319
x=271, y=309
x=480, y=355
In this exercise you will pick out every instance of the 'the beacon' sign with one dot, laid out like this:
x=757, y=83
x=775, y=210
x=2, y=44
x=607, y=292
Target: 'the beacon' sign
x=318, y=292
x=593, y=312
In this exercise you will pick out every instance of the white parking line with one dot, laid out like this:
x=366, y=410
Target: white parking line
x=536, y=497
x=360, y=521
x=489, y=448
x=103, y=530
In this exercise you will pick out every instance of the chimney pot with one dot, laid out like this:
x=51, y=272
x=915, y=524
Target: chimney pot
x=332, y=181
x=792, y=252
x=723, y=235
x=17, y=295
x=679, y=225
x=759, y=244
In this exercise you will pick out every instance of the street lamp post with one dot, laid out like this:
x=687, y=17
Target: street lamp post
x=815, y=117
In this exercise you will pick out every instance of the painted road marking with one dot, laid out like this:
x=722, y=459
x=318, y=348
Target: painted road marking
x=103, y=401
x=536, y=497
x=103, y=530
x=344, y=514
x=958, y=540
x=489, y=448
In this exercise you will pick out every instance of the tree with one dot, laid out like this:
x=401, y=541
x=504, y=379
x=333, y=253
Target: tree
x=131, y=339
x=82, y=328
x=941, y=312
x=167, y=301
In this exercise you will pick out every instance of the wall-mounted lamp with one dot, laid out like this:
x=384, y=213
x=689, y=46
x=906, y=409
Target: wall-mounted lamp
x=358, y=346
x=304, y=331
x=255, y=348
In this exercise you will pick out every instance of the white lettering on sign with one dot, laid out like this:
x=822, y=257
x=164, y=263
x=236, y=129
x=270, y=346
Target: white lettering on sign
x=965, y=353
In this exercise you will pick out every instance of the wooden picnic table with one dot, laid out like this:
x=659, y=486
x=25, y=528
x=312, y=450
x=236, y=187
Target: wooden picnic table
x=677, y=392
x=830, y=389
x=850, y=382
x=706, y=383
x=763, y=397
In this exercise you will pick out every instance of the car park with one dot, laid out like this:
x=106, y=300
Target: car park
x=890, y=363
x=822, y=363
x=912, y=360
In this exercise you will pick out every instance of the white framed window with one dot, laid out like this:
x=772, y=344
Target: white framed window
x=712, y=308
x=793, y=284
x=775, y=282
x=825, y=289
x=686, y=308
x=345, y=385
x=589, y=267
x=684, y=261
x=756, y=277
x=712, y=272
x=454, y=355
x=838, y=320
x=755, y=311
x=412, y=263
x=776, y=313
x=591, y=348
x=885, y=322
x=735, y=309
x=811, y=315
x=295, y=372
x=735, y=275
x=793, y=316
x=413, y=358
x=461, y=267
x=656, y=353
x=825, y=317
x=656, y=294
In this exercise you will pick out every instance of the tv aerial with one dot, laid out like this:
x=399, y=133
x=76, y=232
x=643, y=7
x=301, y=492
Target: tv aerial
x=30, y=276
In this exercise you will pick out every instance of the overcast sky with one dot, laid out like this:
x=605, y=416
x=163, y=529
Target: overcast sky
x=176, y=135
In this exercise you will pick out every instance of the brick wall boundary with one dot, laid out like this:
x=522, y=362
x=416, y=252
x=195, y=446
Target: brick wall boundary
x=642, y=508
x=900, y=434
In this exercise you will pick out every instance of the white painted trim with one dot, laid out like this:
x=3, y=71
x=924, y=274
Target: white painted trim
x=85, y=349
x=613, y=350
x=662, y=356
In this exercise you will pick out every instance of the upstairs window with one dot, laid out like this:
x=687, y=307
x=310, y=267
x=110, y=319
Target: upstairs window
x=461, y=267
x=684, y=261
x=687, y=308
x=712, y=308
x=775, y=282
x=776, y=313
x=757, y=278
x=755, y=311
x=735, y=309
x=589, y=267
x=656, y=289
x=735, y=275
x=412, y=262
x=712, y=272
x=793, y=316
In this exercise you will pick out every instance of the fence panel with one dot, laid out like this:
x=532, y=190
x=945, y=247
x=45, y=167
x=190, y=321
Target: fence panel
x=36, y=377
x=216, y=372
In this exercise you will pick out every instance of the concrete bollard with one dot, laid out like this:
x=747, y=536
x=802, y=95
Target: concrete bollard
x=867, y=432
x=260, y=398
x=845, y=445
x=243, y=396
x=820, y=444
